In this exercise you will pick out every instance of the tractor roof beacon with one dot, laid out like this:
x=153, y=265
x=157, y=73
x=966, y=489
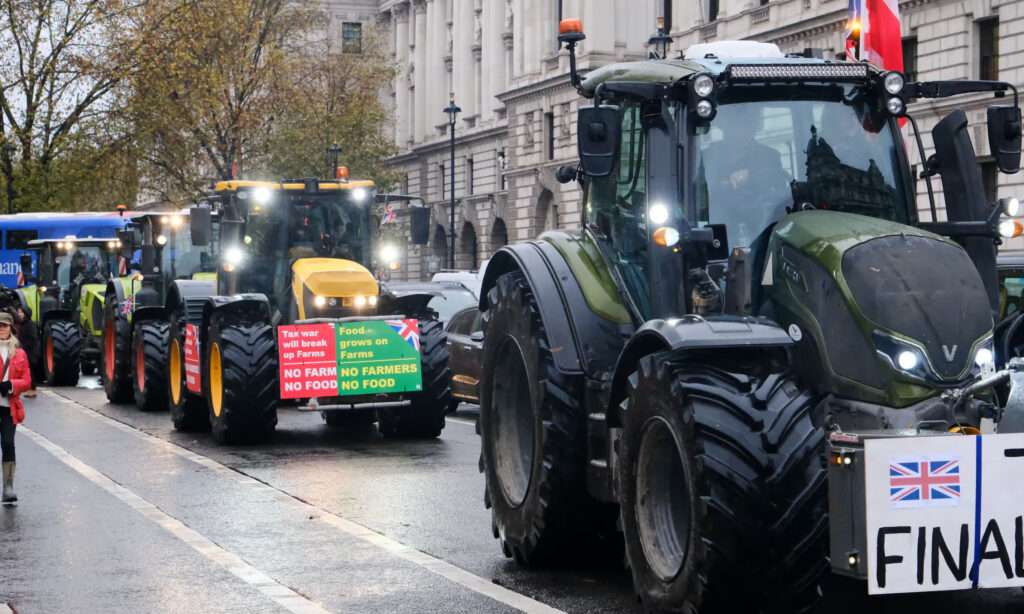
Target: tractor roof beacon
x=753, y=293
x=299, y=253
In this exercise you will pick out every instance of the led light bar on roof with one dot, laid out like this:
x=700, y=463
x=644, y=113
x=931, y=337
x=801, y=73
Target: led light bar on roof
x=798, y=72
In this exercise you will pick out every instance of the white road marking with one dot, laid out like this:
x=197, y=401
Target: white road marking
x=270, y=588
x=432, y=564
x=462, y=421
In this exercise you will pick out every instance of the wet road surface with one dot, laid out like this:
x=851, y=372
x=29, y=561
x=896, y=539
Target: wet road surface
x=120, y=513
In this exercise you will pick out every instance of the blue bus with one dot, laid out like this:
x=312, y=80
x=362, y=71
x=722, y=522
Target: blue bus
x=18, y=229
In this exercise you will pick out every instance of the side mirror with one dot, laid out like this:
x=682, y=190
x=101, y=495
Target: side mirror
x=26, y=268
x=127, y=239
x=1004, y=128
x=419, y=225
x=200, y=225
x=598, y=139
x=566, y=174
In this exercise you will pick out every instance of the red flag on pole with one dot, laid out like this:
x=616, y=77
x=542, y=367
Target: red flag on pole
x=874, y=33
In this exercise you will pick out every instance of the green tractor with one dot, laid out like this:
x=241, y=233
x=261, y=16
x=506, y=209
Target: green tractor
x=756, y=361
x=135, y=323
x=65, y=298
x=296, y=317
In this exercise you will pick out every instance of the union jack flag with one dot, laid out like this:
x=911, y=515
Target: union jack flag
x=408, y=330
x=920, y=483
x=127, y=305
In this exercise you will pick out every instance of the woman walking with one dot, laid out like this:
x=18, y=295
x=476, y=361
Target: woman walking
x=15, y=378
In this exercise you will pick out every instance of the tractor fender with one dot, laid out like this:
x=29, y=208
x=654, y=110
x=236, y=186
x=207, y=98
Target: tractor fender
x=243, y=307
x=189, y=297
x=119, y=288
x=149, y=312
x=582, y=342
x=56, y=314
x=690, y=334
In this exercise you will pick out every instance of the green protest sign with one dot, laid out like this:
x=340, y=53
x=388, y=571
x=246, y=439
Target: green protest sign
x=378, y=356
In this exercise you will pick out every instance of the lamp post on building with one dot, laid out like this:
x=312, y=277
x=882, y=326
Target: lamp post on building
x=659, y=42
x=452, y=111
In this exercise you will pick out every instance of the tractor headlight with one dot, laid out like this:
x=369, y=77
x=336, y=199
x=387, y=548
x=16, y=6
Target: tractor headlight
x=359, y=301
x=703, y=85
x=177, y=221
x=161, y=240
x=903, y=356
x=1009, y=229
x=388, y=252
x=371, y=301
x=261, y=196
x=1011, y=206
x=895, y=106
x=705, y=109
x=657, y=214
x=359, y=194
x=320, y=301
x=234, y=255
x=985, y=356
x=893, y=82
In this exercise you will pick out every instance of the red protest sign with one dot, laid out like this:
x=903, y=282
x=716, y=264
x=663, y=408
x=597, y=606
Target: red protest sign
x=192, y=370
x=308, y=361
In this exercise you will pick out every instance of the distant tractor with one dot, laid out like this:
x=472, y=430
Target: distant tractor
x=65, y=297
x=296, y=317
x=135, y=322
x=756, y=343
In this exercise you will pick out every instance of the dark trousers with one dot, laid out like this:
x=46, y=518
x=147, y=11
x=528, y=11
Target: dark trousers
x=7, y=427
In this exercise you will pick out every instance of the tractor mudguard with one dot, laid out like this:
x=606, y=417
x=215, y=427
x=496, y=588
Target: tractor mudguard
x=691, y=333
x=189, y=297
x=29, y=297
x=583, y=339
x=149, y=312
x=56, y=314
x=243, y=307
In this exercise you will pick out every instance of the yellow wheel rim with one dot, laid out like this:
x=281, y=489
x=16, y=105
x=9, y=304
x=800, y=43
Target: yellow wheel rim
x=216, y=380
x=175, y=371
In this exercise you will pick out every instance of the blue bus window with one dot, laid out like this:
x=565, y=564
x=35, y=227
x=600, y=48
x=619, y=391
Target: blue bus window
x=18, y=239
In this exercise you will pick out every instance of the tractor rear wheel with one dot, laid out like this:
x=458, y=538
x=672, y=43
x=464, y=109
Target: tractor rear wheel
x=424, y=417
x=115, y=354
x=241, y=381
x=149, y=372
x=62, y=344
x=533, y=438
x=723, y=488
x=188, y=411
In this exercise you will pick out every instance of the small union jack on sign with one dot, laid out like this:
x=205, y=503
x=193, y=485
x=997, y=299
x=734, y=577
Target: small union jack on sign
x=408, y=330
x=919, y=483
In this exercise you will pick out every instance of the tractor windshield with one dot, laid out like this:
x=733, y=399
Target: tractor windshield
x=819, y=148
x=332, y=224
x=83, y=264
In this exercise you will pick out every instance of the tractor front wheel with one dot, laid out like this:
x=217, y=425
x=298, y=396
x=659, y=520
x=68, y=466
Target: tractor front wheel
x=188, y=411
x=722, y=484
x=424, y=417
x=149, y=371
x=62, y=344
x=115, y=354
x=241, y=382
x=533, y=438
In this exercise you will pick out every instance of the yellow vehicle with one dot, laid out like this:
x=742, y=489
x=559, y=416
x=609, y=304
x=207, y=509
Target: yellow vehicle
x=297, y=252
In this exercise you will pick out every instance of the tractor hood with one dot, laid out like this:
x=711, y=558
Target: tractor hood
x=332, y=278
x=871, y=291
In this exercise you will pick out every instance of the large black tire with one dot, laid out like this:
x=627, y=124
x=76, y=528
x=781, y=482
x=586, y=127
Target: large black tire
x=62, y=345
x=723, y=488
x=115, y=353
x=149, y=375
x=533, y=438
x=424, y=418
x=241, y=382
x=188, y=411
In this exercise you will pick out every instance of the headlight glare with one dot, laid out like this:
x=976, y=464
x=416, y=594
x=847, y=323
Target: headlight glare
x=319, y=301
x=703, y=85
x=359, y=301
x=895, y=106
x=893, y=83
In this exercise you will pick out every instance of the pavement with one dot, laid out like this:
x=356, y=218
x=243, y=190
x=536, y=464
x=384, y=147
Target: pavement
x=120, y=513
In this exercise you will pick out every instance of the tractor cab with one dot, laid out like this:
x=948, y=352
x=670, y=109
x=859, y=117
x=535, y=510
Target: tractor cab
x=304, y=244
x=65, y=295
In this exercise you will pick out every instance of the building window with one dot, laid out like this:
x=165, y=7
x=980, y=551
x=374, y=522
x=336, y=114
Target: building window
x=500, y=162
x=990, y=179
x=764, y=2
x=441, y=169
x=712, y=10
x=910, y=58
x=988, y=49
x=666, y=14
x=351, y=37
x=549, y=132
x=469, y=175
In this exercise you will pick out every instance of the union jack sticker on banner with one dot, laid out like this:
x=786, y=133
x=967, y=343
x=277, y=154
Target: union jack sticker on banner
x=924, y=483
x=408, y=330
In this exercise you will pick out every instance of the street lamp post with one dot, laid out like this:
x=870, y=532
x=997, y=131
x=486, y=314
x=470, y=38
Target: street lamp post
x=8, y=151
x=452, y=111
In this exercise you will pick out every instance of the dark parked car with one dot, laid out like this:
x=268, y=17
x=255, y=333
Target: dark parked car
x=449, y=297
x=465, y=354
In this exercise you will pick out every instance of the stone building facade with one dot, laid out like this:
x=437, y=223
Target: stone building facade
x=501, y=61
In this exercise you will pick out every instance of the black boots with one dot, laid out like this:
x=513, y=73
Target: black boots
x=8, y=493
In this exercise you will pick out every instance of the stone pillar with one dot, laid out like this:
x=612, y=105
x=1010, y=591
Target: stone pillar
x=400, y=18
x=493, y=60
x=421, y=70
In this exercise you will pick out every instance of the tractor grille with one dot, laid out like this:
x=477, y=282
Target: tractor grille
x=194, y=309
x=925, y=289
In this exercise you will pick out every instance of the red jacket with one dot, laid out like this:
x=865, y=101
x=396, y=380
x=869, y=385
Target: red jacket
x=21, y=380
